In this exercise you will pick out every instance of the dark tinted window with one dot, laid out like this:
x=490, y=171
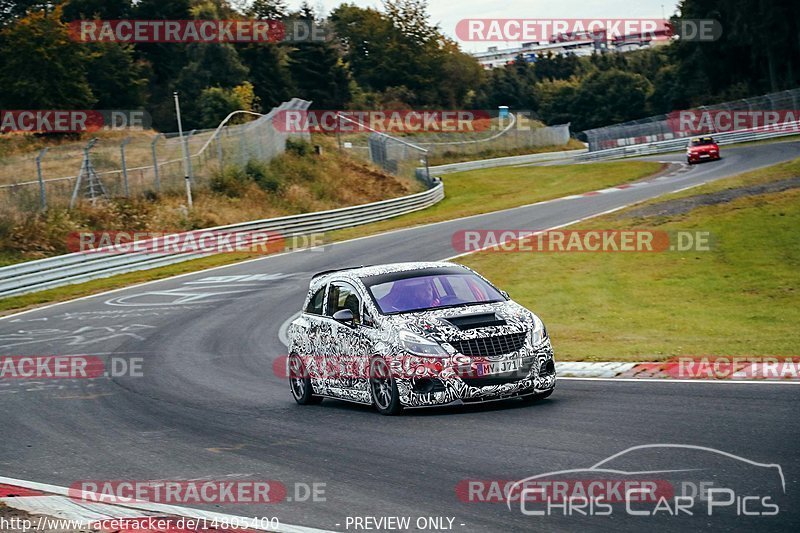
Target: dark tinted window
x=315, y=304
x=419, y=293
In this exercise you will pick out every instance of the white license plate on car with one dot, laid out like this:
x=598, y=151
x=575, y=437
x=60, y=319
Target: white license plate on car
x=704, y=156
x=500, y=367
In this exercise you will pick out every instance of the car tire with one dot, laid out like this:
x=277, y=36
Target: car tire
x=383, y=388
x=300, y=382
x=533, y=398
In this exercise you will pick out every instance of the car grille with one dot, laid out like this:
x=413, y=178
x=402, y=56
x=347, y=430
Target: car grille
x=490, y=346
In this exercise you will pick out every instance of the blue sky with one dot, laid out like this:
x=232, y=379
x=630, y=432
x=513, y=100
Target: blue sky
x=448, y=12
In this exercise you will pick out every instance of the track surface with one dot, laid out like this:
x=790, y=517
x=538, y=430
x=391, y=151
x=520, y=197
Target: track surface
x=210, y=406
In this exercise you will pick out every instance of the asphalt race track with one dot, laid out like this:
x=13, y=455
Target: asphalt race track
x=210, y=406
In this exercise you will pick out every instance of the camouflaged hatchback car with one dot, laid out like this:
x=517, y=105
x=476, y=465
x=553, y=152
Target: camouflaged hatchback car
x=412, y=335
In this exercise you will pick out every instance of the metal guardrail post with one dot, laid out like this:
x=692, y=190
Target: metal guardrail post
x=42, y=193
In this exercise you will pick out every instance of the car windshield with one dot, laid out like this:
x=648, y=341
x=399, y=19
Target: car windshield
x=702, y=142
x=436, y=291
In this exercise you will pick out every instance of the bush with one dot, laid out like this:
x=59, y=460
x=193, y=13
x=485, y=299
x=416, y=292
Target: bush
x=299, y=147
x=232, y=181
x=264, y=176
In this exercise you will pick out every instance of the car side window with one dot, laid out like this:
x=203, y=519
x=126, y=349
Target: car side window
x=367, y=319
x=315, y=304
x=344, y=296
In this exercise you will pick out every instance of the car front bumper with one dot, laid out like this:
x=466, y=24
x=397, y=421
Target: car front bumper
x=451, y=385
x=704, y=156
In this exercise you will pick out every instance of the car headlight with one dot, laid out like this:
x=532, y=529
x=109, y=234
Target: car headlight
x=538, y=333
x=419, y=345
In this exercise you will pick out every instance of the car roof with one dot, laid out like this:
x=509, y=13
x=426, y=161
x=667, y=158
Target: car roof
x=374, y=270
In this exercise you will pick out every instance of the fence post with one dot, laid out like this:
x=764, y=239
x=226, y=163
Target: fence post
x=219, y=150
x=243, y=157
x=189, y=156
x=155, y=162
x=42, y=193
x=122, y=146
x=86, y=168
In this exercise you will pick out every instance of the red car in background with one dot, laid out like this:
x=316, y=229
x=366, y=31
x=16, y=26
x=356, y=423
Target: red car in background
x=702, y=149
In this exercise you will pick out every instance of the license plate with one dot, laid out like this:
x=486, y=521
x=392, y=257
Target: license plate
x=500, y=367
x=704, y=156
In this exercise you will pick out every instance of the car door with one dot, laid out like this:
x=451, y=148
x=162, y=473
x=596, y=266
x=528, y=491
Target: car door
x=313, y=332
x=347, y=362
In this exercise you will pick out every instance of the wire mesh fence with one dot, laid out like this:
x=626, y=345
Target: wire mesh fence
x=137, y=163
x=412, y=154
x=509, y=135
x=667, y=127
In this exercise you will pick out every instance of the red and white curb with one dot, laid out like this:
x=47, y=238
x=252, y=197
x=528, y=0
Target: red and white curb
x=672, y=370
x=56, y=502
x=592, y=370
x=682, y=169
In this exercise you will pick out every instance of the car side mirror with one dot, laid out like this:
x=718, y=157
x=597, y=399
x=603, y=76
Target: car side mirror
x=505, y=295
x=344, y=316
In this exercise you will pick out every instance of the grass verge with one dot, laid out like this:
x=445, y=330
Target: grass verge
x=448, y=157
x=465, y=196
x=468, y=193
x=740, y=298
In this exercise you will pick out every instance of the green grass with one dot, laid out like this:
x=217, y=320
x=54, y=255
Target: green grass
x=787, y=169
x=741, y=298
x=465, y=196
x=483, y=191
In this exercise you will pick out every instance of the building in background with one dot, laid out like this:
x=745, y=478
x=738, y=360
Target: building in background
x=578, y=44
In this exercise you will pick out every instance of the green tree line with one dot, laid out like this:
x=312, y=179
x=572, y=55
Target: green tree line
x=391, y=57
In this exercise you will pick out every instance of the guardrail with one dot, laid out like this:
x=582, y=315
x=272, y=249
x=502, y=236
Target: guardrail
x=674, y=145
x=78, y=267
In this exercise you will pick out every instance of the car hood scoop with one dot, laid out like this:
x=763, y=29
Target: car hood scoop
x=475, y=320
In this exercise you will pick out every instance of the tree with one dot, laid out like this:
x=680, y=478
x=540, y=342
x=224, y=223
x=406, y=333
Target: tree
x=210, y=65
x=166, y=59
x=410, y=17
x=463, y=75
x=365, y=35
x=556, y=100
x=117, y=80
x=608, y=97
x=11, y=10
x=268, y=9
x=43, y=68
x=759, y=47
x=511, y=85
x=268, y=66
x=215, y=103
x=319, y=75
x=101, y=9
